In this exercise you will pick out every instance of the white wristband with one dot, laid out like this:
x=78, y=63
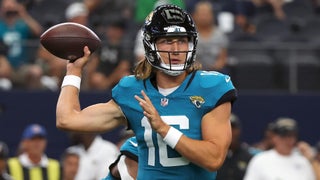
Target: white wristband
x=172, y=137
x=71, y=80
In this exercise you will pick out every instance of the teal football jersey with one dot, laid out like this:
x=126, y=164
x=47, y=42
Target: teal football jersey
x=130, y=148
x=183, y=109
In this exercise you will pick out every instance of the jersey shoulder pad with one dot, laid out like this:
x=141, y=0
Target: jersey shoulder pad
x=210, y=79
x=127, y=81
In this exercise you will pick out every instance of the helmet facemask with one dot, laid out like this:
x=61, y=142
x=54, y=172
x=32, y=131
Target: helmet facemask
x=171, y=68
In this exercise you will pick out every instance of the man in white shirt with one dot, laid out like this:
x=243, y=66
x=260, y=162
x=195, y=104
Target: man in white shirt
x=283, y=162
x=96, y=154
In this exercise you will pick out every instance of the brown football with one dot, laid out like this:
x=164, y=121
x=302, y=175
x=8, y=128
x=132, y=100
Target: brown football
x=67, y=40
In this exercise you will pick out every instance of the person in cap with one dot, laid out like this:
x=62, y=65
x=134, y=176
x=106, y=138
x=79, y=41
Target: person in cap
x=112, y=61
x=4, y=154
x=282, y=161
x=77, y=12
x=239, y=154
x=33, y=163
x=180, y=115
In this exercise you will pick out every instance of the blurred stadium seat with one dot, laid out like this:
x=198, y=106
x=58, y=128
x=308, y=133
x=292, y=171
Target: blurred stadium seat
x=252, y=69
x=298, y=9
x=49, y=12
x=300, y=67
x=269, y=28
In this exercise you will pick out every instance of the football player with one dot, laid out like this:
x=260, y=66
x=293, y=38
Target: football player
x=179, y=114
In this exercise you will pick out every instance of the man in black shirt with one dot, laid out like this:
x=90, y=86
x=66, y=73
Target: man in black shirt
x=236, y=162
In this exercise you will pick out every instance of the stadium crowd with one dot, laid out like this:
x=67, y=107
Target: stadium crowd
x=26, y=65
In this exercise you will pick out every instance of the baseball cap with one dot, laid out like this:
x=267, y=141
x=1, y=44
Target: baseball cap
x=34, y=130
x=4, y=150
x=284, y=126
x=76, y=9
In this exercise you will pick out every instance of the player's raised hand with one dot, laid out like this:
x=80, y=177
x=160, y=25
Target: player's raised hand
x=150, y=112
x=76, y=67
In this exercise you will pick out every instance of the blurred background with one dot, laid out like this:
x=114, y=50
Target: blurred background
x=270, y=48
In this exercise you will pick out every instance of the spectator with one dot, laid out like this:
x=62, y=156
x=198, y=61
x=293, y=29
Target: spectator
x=51, y=66
x=266, y=142
x=77, y=12
x=98, y=14
x=54, y=67
x=313, y=156
x=274, y=7
x=96, y=154
x=212, y=45
x=238, y=157
x=5, y=69
x=16, y=27
x=5, y=74
x=33, y=163
x=4, y=154
x=112, y=62
x=70, y=164
x=282, y=161
x=237, y=18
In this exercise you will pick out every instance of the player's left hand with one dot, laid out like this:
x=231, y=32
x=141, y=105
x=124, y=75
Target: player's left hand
x=150, y=112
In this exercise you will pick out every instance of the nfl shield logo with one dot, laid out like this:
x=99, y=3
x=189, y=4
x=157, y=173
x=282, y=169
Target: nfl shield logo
x=164, y=102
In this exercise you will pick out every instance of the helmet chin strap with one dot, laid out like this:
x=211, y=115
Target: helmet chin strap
x=172, y=73
x=172, y=69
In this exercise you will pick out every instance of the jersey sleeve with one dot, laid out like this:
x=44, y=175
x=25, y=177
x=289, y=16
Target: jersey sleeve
x=123, y=94
x=130, y=148
x=127, y=86
x=218, y=87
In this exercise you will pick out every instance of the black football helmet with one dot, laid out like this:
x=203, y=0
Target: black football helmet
x=169, y=20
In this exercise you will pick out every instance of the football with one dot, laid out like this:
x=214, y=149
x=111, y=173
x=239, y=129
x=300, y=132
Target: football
x=67, y=40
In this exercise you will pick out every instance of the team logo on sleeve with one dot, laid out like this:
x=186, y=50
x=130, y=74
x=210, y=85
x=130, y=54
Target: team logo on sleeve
x=197, y=101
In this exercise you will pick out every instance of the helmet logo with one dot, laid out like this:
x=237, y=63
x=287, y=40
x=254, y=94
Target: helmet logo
x=173, y=16
x=149, y=18
x=175, y=29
